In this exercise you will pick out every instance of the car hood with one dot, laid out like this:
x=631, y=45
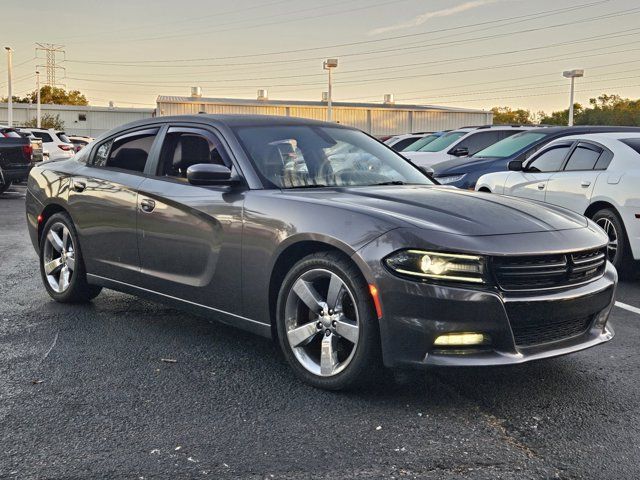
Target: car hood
x=447, y=209
x=463, y=164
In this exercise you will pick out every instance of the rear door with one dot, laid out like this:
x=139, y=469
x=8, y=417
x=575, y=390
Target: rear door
x=189, y=237
x=532, y=181
x=572, y=187
x=103, y=202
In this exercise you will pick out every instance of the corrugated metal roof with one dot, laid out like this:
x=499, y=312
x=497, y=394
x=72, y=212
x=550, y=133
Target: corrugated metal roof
x=298, y=103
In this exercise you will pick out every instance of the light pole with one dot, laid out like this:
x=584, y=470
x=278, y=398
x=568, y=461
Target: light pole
x=329, y=64
x=572, y=74
x=9, y=80
x=38, y=121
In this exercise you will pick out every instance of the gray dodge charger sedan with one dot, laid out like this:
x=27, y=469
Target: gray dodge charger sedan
x=321, y=237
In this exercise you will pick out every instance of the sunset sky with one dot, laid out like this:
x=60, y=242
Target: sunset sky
x=477, y=53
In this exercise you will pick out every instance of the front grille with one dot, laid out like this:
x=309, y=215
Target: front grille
x=548, y=271
x=530, y=332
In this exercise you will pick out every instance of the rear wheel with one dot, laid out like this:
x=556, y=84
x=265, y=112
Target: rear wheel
x=61, y=263
x=4, y=187
x=327, y=327
x=618, y=249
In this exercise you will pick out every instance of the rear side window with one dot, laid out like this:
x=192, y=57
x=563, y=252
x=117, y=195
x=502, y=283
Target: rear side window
x=129, y=152
x=46, y=138
x=550, y=160
x=633, y=143
x=404, y=143
x=480, y=140
x=583, y=158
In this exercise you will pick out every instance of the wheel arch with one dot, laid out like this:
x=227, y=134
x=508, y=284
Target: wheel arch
x=47, y=212
x=600, y=205
x=289, y=255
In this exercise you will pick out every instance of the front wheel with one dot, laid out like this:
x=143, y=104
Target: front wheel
x=618, y=249
x=327, y=327
x=61, y=263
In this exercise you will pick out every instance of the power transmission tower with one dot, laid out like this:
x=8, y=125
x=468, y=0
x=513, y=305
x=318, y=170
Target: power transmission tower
x=51, y=50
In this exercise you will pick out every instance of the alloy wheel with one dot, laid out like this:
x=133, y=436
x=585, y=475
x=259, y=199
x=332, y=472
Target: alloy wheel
x=322, y=322
x=610, y=229
x=59, y=259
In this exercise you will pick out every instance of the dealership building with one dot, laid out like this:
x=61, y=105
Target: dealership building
x=375, y=118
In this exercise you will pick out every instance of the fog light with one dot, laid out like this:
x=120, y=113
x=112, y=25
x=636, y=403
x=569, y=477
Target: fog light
x=460, y=339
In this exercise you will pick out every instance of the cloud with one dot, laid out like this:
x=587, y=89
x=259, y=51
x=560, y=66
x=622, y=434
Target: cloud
x=425, y=17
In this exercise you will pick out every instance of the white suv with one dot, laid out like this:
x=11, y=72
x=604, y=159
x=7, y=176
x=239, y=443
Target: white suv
x=461, y=143
x=56, y=145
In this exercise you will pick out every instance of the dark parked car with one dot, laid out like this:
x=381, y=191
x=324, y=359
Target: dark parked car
x=464, y=172
x=16, y=155
x=335, y=245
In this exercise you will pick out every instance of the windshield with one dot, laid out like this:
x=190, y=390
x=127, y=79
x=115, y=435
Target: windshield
x=509, y=146
x=415, y=146
x=311, y=156
x=442, y=142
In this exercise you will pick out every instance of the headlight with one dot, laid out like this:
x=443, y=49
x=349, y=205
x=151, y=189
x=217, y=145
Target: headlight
x=450, y=179
x=438, y=266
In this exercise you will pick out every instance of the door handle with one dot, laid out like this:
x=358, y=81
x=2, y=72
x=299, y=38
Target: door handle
x=78, y=186
x=541, y=186
x=585, y=183
x=147, y=205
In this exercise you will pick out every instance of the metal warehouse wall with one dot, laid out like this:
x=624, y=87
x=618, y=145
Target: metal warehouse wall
x=98, y=119
x=377, y=121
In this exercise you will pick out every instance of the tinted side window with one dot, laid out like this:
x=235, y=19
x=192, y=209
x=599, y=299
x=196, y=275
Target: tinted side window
x=44, y=136
x=480, y=141
x=550, y=160
x=184, y=147
x=633, y=143
x=582, y=158
x=129, y=152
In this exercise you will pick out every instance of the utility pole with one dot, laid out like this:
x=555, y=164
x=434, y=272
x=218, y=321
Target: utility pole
x=9, y=80
x=38, y=115
x=51, y=50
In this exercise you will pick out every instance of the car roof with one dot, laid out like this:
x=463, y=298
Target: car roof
x=605, y=136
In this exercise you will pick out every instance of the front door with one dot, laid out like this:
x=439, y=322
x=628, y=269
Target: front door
x=189, y=237
x=532, y=181
x=103, y=201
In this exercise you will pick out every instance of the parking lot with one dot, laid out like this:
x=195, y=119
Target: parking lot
x=123, y=388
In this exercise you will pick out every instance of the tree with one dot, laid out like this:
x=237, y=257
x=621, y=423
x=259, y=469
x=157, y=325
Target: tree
x=603, y=110
x=507, y=116
x=48, y=120
x=561, y=117
x=55, y=95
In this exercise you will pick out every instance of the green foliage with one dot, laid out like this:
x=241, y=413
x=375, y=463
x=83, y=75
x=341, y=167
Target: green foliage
x=48, y=120
x=603, y=110
x=507, y=116
x=54, y=95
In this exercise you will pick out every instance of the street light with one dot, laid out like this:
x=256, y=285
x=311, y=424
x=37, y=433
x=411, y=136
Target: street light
x=572, y=74
x=38, y=105
x=329, y=64
x=9, y=80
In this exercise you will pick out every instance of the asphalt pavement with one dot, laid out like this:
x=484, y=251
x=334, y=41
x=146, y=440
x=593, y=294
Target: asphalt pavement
x=85, y=393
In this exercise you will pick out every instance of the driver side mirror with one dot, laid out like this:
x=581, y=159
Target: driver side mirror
x=515, y=166
x=209, y=174
x=460, y=152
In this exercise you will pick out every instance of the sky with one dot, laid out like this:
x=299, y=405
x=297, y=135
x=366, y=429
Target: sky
x=455, y=53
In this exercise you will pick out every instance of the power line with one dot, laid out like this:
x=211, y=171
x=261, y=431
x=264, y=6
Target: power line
x=283, y=52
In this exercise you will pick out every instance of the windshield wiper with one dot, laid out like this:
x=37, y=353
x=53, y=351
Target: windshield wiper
x=315, y=185
x=391, y=182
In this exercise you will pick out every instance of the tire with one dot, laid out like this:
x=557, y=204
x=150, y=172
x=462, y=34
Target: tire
x=340, y=349
x=4, y=187
x=61, y=264
x=618, y=249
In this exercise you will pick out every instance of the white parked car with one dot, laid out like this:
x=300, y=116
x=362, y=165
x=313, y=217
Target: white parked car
x=597, y=175
x=400, y=142
x=56, y=145
x=460, y=143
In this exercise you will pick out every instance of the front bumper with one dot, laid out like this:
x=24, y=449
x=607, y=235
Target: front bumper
x=416, y=313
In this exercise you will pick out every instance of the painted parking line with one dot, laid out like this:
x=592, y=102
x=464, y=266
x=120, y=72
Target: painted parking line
x=630, y=308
